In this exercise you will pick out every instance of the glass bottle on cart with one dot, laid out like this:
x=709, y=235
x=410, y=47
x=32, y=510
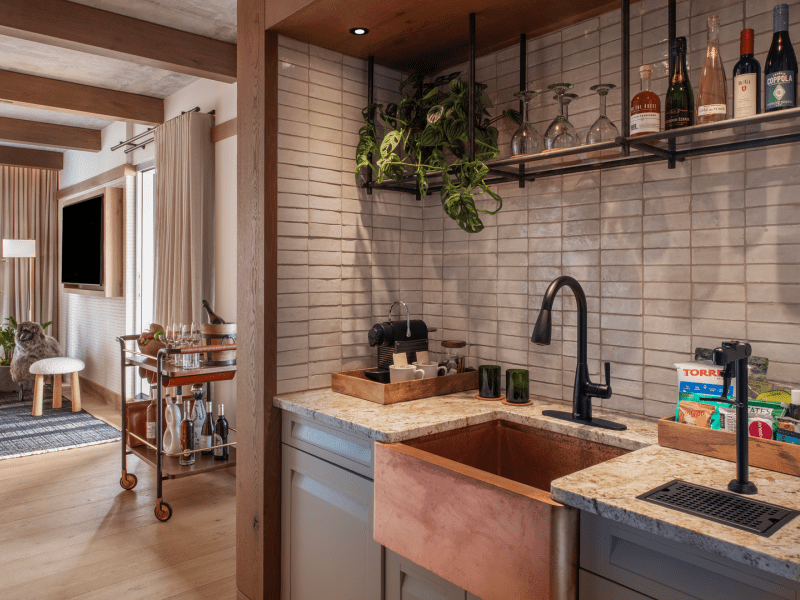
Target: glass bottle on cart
x=152, y=412
x=207, y=432
x=221, y=435
x=187, y=435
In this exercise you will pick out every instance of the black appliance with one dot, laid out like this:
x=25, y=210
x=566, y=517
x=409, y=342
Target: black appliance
x=392, y=337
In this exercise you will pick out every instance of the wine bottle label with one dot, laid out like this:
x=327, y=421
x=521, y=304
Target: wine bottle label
x=205, y=441
x=217, y=442
x=645, y=123
x=151, y=430
x=711, y=109
x=744, y=95
x=677, y=117
x=780, y=92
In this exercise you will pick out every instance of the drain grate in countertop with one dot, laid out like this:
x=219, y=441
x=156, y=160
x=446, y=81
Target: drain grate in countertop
x=727, y=508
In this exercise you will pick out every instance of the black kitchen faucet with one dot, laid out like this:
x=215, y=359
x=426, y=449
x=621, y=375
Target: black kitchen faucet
x=584, y=389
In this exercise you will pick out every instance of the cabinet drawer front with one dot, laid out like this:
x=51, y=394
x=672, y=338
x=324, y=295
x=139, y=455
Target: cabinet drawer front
x=593, y=587
x=667, y=570
x=344, y=449
x=406, y=580
x=327, y=546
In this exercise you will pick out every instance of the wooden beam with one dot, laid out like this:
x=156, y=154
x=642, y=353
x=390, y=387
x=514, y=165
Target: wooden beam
x=95, y=31
x=47, y=134
x=223, y=131
x=258, y=481
x=36, y=159
x=101, y=180
x=62, y=96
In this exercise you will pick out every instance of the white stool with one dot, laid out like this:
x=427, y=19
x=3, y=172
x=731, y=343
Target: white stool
x=56, y=367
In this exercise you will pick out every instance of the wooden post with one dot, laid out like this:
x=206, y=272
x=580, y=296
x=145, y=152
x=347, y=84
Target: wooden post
x=258, y=480
x=57, y=390
x=76, y=392
x=38, y=395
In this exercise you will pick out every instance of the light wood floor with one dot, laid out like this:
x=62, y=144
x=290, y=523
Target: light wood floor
x=68, y=530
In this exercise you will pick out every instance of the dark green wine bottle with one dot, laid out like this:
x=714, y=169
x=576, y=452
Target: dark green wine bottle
x=679, y=108
x=780, y=70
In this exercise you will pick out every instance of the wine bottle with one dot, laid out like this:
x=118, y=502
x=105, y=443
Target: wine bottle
x=207, y=432
x=780, y=70
x=712, y=91
x=187, y=435
x=645, y=107
x=213, y=318
x=221, y=435
x=746, y=78
x=152, y=411
x=679, y=109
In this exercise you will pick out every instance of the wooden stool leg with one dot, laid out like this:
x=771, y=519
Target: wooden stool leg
x=57, y=391
x=76, y=393
x=38, y=393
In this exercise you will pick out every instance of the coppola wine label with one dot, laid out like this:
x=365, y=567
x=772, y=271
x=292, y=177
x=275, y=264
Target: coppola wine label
x=780, y=90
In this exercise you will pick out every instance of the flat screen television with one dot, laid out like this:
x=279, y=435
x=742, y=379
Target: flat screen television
x=82, y=243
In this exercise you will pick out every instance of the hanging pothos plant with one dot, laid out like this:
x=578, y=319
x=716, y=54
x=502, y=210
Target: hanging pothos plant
x=430, y=120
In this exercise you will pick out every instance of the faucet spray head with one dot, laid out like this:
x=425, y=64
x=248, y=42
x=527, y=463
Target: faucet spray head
x=542, y=330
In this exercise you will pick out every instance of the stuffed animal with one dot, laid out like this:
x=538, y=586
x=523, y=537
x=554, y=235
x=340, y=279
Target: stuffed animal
x=32, y=344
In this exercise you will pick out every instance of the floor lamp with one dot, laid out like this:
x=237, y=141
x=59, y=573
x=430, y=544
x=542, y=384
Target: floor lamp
x=23, y=249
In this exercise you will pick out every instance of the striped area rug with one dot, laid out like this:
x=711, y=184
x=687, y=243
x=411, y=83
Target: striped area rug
x=57, y=429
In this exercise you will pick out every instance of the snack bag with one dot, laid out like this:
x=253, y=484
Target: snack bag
x=701, y=377
x=695, y=413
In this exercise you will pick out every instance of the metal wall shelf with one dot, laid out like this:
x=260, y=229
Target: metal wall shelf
x=666, y=146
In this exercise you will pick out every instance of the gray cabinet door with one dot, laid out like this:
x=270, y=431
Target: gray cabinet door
x=327, y=545
x=406, y=580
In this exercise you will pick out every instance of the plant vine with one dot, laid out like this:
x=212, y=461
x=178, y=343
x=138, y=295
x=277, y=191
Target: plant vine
x=429, y=125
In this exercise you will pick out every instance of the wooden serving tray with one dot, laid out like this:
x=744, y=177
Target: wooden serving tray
x=772, y=455
x=355, y=383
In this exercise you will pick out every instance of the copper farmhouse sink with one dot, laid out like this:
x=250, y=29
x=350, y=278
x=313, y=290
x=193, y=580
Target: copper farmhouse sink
x=473, y=505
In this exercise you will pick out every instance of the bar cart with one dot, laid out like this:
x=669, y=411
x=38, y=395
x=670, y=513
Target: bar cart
x=167, y=466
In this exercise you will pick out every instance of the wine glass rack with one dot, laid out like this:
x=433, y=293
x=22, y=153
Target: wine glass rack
x=167, y=465
x=666, y=146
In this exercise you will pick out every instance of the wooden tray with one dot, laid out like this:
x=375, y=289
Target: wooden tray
x=772, y=455
x=355, y=383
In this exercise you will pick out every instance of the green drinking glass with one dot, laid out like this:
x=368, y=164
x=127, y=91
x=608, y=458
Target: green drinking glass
x=517, y=385
x=489, y=381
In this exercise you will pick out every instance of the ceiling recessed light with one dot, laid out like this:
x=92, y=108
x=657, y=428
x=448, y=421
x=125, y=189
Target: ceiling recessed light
x=359, y=31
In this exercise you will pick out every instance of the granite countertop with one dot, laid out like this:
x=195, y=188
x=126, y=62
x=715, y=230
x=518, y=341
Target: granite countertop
x=407, y=420
x=609, y=490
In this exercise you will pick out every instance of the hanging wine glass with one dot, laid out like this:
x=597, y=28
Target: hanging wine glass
x=561, y=133
x=526, y=139
x=603, y=130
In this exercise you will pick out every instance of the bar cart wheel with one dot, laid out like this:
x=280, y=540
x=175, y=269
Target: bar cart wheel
x=163, y=511
x=128, y=481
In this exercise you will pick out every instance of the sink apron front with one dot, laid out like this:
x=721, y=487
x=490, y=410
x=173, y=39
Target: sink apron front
x=496, y=538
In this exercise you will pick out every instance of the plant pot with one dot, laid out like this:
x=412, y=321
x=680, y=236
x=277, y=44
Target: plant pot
x=6, y=383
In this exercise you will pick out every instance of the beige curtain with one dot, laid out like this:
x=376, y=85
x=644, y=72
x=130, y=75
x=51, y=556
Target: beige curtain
x=184, y=212
x=30, y=211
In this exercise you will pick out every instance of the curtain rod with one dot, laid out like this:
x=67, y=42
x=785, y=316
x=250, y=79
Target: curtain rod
x=129, y=141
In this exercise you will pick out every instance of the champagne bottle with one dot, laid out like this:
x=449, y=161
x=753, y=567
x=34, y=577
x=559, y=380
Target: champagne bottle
x=207, y=432
x=152, y=413
x=746, y=78
x=221, y=435
x=187, y=435
x=679, y=109
x=645, y=107
x=780, y=70
x=213, y=318
x=712, y=91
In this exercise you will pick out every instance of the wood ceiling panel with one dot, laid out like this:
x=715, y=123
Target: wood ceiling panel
x=425, y=34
